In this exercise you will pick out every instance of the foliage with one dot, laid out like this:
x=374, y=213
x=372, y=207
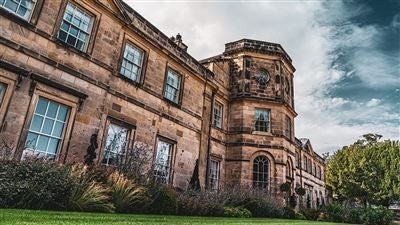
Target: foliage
x=194, y=183
x=34, y=184
x=366, y=171
x=300, y=191
x=368, y=216
x=164, y=201
x=238, y=212
x=380, y=215
x=311, y=214
x=126, y=195
x=263, y=208
x=300, y=216
x=87, y=194
x=137, y=164
x=292, y=201
x=334, y=212
x=200, y=203
x=289, y=213
x=285, y=187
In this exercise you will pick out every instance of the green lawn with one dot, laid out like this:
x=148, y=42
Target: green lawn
x=22, y=217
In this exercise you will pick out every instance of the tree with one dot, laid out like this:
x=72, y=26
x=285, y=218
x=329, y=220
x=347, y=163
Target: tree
x=366, y=171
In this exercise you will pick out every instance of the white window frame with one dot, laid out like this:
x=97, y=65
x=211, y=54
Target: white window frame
x=162, y=169
x=39, y=133
x=218, y=114
x=214, y=174
x=80, y=30
x=126, y=62
x=121, y=149
x=2, y=5
x=171, y=92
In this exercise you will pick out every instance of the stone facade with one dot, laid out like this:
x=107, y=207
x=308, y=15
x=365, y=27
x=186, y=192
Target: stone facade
x=207, y=110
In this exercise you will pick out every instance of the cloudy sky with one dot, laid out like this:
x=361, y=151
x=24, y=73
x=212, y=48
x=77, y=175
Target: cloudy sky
x=347, y=56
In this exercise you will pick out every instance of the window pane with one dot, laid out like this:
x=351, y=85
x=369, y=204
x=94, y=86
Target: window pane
x=62, y=113
x=52, y=110
x=58, y=129
x=47, y=126
x=42, y=143
x=53, y=146
x=41, y=106
x=31, y=141
x=36, y=123
x=3, y=88
x=132, y=62
x=116, y=144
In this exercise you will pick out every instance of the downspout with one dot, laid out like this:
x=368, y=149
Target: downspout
x=209, y=140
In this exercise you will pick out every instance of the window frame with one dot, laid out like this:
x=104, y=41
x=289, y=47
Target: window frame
x=221, y=116
x=33, y=17
x=268, y=121
x=181, y=86
x=131, y=132
x=140, y=76
x=217, y=176
x=96, y=16
x=68, y=100
x=5, y=101
x=288, y=127
x=171, y=158
x=265, y=184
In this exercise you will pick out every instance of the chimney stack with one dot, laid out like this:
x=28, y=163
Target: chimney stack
x=178, y=41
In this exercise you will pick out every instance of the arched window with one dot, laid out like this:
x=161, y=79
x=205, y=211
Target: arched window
x=261, y=172
x=288, y=170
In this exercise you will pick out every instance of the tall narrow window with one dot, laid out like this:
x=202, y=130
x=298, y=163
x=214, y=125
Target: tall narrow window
x=75, y=27
x=262, y=118
x=214, y=175
x=21, y=8
x=132, y=62
x=261, y=172
x=47, y=127
x=3, y=88
x=162, y=165
x=116, y=144
x=172, y=86
x=218, y=113
x=305, y=166
x=288, y=127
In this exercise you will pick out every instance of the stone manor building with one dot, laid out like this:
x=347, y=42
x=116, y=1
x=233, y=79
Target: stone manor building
x=76, y=70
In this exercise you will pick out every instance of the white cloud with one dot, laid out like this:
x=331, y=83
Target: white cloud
x=296, y=25
x=373, y=102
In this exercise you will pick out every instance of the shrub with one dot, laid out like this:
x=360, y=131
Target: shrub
x=334, y=212
x=238, y=212
x=352, y=215
x=200, y=203
x=380, y=215
x=300, y=216
x=34, y=184
x=311, y=214
x=163, y=201
x=87, y=194
x=126, y=195
x=263, y=208
x=289, y=213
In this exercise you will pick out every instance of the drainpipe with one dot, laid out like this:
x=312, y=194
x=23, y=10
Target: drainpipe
x=209, y=140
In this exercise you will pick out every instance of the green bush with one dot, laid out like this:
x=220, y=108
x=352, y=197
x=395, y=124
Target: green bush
x=334, y=212
x=311, y=214
x=163, y=201
x=353, y=215
x=300, y=216
x=126, y=195
x=238, y=212
x=289, y=213
x=264, y=208
x=87, y=194
x=34, y=185
x=380, y=215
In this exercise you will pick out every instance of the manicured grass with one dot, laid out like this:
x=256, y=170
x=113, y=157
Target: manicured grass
x=24, y=217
